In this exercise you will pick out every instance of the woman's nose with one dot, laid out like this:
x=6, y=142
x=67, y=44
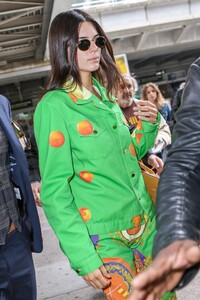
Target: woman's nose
x=93, y=46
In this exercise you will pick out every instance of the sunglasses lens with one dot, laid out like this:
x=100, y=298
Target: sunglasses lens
x=84, y=45
x=100, y=42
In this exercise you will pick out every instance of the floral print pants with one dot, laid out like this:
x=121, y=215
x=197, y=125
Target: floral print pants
x=125, y=254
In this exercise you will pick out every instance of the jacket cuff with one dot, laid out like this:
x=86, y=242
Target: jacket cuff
x=151, y=126
x=88, y=265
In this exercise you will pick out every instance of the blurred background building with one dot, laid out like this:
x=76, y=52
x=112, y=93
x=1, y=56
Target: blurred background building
x=159, y=38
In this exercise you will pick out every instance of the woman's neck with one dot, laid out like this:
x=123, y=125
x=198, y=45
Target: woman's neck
x=86, y=79
x=88, y=84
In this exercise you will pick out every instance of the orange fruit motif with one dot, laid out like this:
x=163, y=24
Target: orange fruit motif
x=132, y=150
x=138, y=137
x=73, y=97
x=84, y=127
x=133, y=231
x=56, y=139
x=85, y=214
x=86, y=176
x=139, y=125
x=136, y=220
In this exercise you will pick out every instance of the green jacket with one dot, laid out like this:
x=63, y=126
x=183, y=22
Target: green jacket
x=91, y=180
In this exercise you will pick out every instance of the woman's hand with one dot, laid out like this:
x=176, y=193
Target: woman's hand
x=99, y=279
x=146, y=111
x=166, y=271
x=36, y=192
x=156, y=162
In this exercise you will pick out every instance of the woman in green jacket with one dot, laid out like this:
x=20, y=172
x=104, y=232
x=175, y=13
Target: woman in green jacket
x=92, y=190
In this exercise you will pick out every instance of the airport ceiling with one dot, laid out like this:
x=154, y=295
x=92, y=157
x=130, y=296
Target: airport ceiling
x=151, y=43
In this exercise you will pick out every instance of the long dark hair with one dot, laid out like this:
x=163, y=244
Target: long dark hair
x=63, y=38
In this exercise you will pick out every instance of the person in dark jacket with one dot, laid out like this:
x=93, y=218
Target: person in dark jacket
x=176, y=247
x=20, y=232
x=33, y=164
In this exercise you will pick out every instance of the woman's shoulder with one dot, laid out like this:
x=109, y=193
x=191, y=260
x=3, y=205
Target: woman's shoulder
x=55, y=98
x=52, y=95
x=4, y=101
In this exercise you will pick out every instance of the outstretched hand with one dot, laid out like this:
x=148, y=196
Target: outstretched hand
x=166, y=271
x=146, y=111
x=99, y=278
x=36, y=185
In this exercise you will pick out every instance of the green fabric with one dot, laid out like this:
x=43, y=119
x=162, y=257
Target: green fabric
x=87, y=165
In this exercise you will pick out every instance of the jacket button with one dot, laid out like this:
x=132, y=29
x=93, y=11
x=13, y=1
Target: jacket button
x=114, y=126
x=95, y=131
x=132, y=175
x=124, y=150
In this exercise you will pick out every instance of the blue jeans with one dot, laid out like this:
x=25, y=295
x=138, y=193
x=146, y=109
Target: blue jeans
x=17, y=273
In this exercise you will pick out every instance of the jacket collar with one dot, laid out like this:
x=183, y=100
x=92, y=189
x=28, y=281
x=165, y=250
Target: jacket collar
x=81, y=96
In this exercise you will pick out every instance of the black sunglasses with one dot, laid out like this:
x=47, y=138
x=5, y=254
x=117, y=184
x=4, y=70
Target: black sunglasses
x=84, y=44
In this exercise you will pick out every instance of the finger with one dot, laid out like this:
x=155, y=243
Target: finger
x=172, y=280
x=97, y=280
x=90, y=283
x=152, y=296
x=145, y=102
x=143, y=118
x=145, y=109
x=100, y=284
x=193, y=255
x=146, y=113
x=105, y=272
x=38, y=203
x=143, y=294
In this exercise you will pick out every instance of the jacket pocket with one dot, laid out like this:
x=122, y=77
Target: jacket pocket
x=90, y=140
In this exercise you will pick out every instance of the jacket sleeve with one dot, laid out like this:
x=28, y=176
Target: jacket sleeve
x=56, y=167
x=178, y=201
x=144, y=136
x=175, y=106
x=164, y=131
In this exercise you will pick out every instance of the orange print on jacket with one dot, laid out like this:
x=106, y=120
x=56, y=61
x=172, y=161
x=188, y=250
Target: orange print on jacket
x=84, y=127
x=139, y=125
x=73, y=97
x=132, y=149
x=138, y=137
x=85, y=214
x=56, y=139
x=86, y=176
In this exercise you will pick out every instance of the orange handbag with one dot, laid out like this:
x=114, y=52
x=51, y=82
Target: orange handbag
x=151, y=180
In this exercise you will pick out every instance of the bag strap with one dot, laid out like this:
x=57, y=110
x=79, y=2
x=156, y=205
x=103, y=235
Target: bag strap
x=145, y=168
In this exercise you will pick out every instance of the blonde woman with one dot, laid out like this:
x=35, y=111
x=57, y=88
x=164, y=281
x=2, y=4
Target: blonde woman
x=152, y=93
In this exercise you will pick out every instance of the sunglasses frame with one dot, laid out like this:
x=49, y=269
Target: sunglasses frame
x=95, y=40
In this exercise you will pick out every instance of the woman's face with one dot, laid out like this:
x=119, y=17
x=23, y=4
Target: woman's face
x=88, y=61
x=151, y=94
